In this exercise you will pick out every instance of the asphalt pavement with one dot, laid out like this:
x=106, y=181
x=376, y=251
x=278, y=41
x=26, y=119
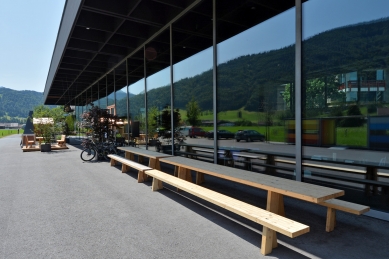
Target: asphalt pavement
x=54, y=205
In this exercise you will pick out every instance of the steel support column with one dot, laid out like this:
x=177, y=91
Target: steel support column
x=298, y=78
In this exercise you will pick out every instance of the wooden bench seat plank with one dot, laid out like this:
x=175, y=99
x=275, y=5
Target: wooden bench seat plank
x=335, y=204
x=128, y=163
x=346, y=206
x=276, y=222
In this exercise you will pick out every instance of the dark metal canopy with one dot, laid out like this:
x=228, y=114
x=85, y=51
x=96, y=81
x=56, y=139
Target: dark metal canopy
x=97, y=36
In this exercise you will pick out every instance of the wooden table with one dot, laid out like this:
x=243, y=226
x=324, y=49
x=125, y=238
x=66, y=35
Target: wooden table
x=152, y=155
x=277, y=187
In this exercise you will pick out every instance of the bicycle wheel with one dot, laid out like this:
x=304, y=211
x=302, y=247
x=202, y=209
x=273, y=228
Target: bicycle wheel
x=88, y=154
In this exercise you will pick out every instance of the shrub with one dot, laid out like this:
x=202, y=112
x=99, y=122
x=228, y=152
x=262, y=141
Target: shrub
x=353, y=110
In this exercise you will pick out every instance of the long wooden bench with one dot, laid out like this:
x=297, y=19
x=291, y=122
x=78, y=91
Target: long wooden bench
x=243, y=177
x=336, y=204
x=128, y=163
x=270, y=221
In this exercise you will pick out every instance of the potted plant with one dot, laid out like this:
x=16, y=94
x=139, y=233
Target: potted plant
x=47, y=131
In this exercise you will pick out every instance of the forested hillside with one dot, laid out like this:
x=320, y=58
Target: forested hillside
x=15, y=105
x=247, y=80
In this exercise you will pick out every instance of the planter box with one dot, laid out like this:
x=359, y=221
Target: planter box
x=45, y=147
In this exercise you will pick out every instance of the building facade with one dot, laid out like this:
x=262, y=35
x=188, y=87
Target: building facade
x=308, y=75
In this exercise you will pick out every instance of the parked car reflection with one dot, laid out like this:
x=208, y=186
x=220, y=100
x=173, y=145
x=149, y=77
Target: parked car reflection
x=220, y=134
x=249, y=135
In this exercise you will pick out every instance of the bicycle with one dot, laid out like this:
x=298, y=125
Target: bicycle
x=89, y=152
x=109, y=148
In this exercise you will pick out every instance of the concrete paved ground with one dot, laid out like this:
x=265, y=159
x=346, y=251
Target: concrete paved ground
x=54, y=205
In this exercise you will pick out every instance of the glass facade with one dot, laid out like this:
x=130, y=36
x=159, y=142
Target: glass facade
x=254, y=89
x=244, y=87
x=157, y=56
x=344, y=92
x=192, y=78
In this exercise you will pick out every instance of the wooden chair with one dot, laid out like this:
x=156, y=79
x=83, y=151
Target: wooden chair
x=61, y=142
x=29, y=140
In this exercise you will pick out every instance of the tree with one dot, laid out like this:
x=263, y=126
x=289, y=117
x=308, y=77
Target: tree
x=100, y=122
x=315, y=92
x=153, y=114
x=166, y=118
x=193, y=112
x=356, y=121
x=56, y=113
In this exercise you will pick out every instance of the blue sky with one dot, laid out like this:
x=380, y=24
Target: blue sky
x=28, y=30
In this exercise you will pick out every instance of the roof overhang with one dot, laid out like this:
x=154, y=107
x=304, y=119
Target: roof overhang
x=96, y=37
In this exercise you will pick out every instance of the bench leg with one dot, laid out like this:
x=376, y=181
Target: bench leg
x=331, y=219
x=113, y=162
x=281, y=207
x=124, y=168
x=141, y=177
x=176, y=171
x=274, y=203
x=371, y=174
x=154, y=163
x=199, y=178
x=140, y=159
x=267, y=240
x=270, y=161
x=184, y=173
x=129, y=156
x=156, y=185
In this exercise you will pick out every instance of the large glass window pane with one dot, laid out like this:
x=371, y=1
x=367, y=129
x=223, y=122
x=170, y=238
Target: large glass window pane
x=121, y=100
x=193, y=86
x=157, y=53
x=111, y=95
x=137, y=94
x=346, y=124
x=255, y=82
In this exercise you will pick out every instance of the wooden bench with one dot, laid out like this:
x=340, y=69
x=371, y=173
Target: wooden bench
x=336, y=204
x=61, y=142
x=270, y=221
x=277, y=187
x=128, y=163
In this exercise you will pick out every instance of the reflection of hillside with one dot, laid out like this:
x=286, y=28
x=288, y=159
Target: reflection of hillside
x=247, y=80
